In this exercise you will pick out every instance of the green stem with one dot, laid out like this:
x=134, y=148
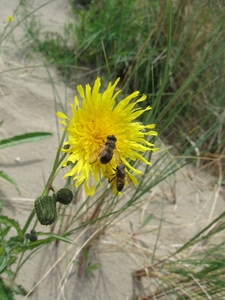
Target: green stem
x=55, y=170
x=30, y=218
x=17, y=270
x=52, y=176
x=45, y=193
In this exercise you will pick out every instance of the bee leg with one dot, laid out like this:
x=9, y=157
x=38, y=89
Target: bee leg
x=110, y=180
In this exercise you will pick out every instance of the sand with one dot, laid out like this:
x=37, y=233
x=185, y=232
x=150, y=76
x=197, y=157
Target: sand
x=28, y=101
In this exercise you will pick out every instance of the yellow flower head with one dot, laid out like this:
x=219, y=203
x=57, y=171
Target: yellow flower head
x=10, y=18
x=103, y=136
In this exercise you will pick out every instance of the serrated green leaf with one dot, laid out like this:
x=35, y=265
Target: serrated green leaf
x=24, y=138
x=8, y=179
x=3, y=232
x=14, y=243
x=10, y=222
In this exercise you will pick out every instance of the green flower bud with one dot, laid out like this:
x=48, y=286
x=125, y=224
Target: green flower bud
x=64, y=196
x=32, y=236
x=45, y=207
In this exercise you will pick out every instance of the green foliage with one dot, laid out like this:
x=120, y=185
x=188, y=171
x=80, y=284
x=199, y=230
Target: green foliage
x=16, y=246
x=119, y=20
x=199, y=273
x=172, y=53
x=12, y=223
x=56, y=51
x=5, y=292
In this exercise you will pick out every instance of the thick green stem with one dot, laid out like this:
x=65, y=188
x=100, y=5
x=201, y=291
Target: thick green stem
x=55, y=170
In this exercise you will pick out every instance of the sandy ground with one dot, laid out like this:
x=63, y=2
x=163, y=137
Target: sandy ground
x=28, y=101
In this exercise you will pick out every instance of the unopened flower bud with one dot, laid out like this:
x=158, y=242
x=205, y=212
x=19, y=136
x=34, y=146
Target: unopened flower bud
x=45, y=207
x=64, y=196
x=32, y=236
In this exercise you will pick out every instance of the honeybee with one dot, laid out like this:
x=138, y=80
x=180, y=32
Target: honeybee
x=106, y=151
x=120, y=177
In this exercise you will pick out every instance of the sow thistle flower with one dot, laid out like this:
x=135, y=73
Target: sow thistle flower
x=98, y=124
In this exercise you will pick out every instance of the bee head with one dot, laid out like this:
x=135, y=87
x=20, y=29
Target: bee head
x=112, y=138
x=120, y=168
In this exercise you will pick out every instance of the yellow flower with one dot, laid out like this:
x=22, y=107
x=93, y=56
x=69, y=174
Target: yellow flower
x=94, y=120
x=10, y=18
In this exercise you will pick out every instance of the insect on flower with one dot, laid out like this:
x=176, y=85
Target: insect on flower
x=111, y=140
x=120, y=177
x=105, y=152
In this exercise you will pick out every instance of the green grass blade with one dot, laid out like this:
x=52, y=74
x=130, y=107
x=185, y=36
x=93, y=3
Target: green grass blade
x=8, y=179
x=57, y=237
x=147, y=220
x=24, y=138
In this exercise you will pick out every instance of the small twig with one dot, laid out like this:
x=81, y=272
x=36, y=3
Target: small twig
x=217, y=191
x=201, y=287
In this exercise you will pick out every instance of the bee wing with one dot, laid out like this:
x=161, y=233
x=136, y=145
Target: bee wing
x=112, y=183
x=117, y=157
x=94, y=156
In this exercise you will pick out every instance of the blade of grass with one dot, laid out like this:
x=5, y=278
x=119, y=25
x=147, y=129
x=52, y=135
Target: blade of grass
x=24, y=138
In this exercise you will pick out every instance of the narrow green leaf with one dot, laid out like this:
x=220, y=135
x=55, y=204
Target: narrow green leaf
x=10, y=222
x=7, y=178
x=3, y=261
x=56, y=236
x=131, y=226
x=147, y=220
x=24, y=138
x=92, y=268
x=33, y=245
x=43, y=242
x=85, y=253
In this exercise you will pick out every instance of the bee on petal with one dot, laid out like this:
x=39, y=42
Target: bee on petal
x=120, y=177
x=106, y=152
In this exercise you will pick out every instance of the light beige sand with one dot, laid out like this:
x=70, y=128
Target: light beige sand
x=27, y=105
